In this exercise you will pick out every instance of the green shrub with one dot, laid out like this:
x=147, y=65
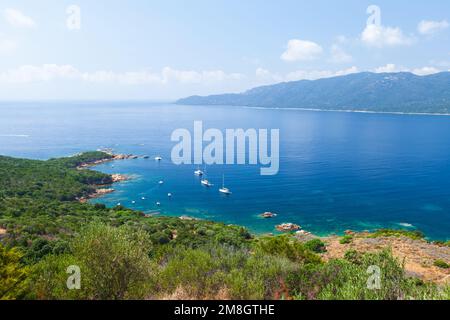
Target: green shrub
x=441, y=264
x=316, y=245
x=286, y=247
x=346, y=239
x=114, y=265
x=13, y=275
x=225, y=272
x=353, y=256
x=345, y=280
x=414, y=235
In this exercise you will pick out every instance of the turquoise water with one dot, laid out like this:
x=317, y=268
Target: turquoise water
x=338, y=171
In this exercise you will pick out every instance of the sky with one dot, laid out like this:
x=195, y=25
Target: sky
x=167, y=49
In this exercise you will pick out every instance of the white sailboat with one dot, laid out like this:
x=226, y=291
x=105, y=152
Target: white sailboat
x=205, y=182
x=199, y=172
x=224, y=190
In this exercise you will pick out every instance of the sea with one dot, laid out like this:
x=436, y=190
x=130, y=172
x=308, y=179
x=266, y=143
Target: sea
x=338, y=170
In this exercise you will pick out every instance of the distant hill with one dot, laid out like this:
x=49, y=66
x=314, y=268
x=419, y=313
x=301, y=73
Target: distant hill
x=382, y=92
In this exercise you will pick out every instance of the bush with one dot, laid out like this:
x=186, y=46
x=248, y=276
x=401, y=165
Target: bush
x=316, y=245
x=441, y=264
x=353, y=256
x=49, y=279
x=114, y=265
x=286, y=247
x=345, y=280
x=346, y=239
x=222, y=272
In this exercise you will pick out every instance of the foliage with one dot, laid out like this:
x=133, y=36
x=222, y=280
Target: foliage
x=346, y=280
x=47, y=180
x=414, y=235
x=346, y=239
x=209, y=272
x=13, y=275
x=114, y=265
x=441, y=264
x=316, y=245
x=286, y=247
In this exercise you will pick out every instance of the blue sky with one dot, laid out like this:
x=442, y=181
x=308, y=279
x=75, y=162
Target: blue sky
x=169, y=49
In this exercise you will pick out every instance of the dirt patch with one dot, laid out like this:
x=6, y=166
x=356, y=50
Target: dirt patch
x=418, y=255
x=2, y=232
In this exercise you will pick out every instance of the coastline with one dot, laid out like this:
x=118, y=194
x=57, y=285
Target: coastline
x=351, y=111
x=102, y=190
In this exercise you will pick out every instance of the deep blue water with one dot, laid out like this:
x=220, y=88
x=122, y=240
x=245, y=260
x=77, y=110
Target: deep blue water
x=338, y=171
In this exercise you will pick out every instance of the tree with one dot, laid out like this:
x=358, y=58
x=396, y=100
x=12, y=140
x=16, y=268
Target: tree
x=13, y=276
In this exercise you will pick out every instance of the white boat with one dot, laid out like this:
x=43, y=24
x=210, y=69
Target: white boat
x=169, y=195
x=158, y=158
x=161, y=182
x=206, y=183
x=198, y=173
x=223, y=189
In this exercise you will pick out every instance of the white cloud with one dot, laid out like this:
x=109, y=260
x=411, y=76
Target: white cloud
x=318, y=74
x=50, y=72
x=391, y=68
x=17, y=19
x=425, y=71
x=301, y=50
x=427, y=27
x=380, y=36
x=265, y=76
x=168, y=74
x=7, y=46
x=338, y=55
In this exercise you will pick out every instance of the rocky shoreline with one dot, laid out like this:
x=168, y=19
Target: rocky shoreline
x=116, y=177
x=113, y=157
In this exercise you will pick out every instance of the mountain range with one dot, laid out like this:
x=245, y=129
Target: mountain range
x=366, y=91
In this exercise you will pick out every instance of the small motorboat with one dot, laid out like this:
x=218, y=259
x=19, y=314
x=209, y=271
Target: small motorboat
x=161, y=182
x=158, y=158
